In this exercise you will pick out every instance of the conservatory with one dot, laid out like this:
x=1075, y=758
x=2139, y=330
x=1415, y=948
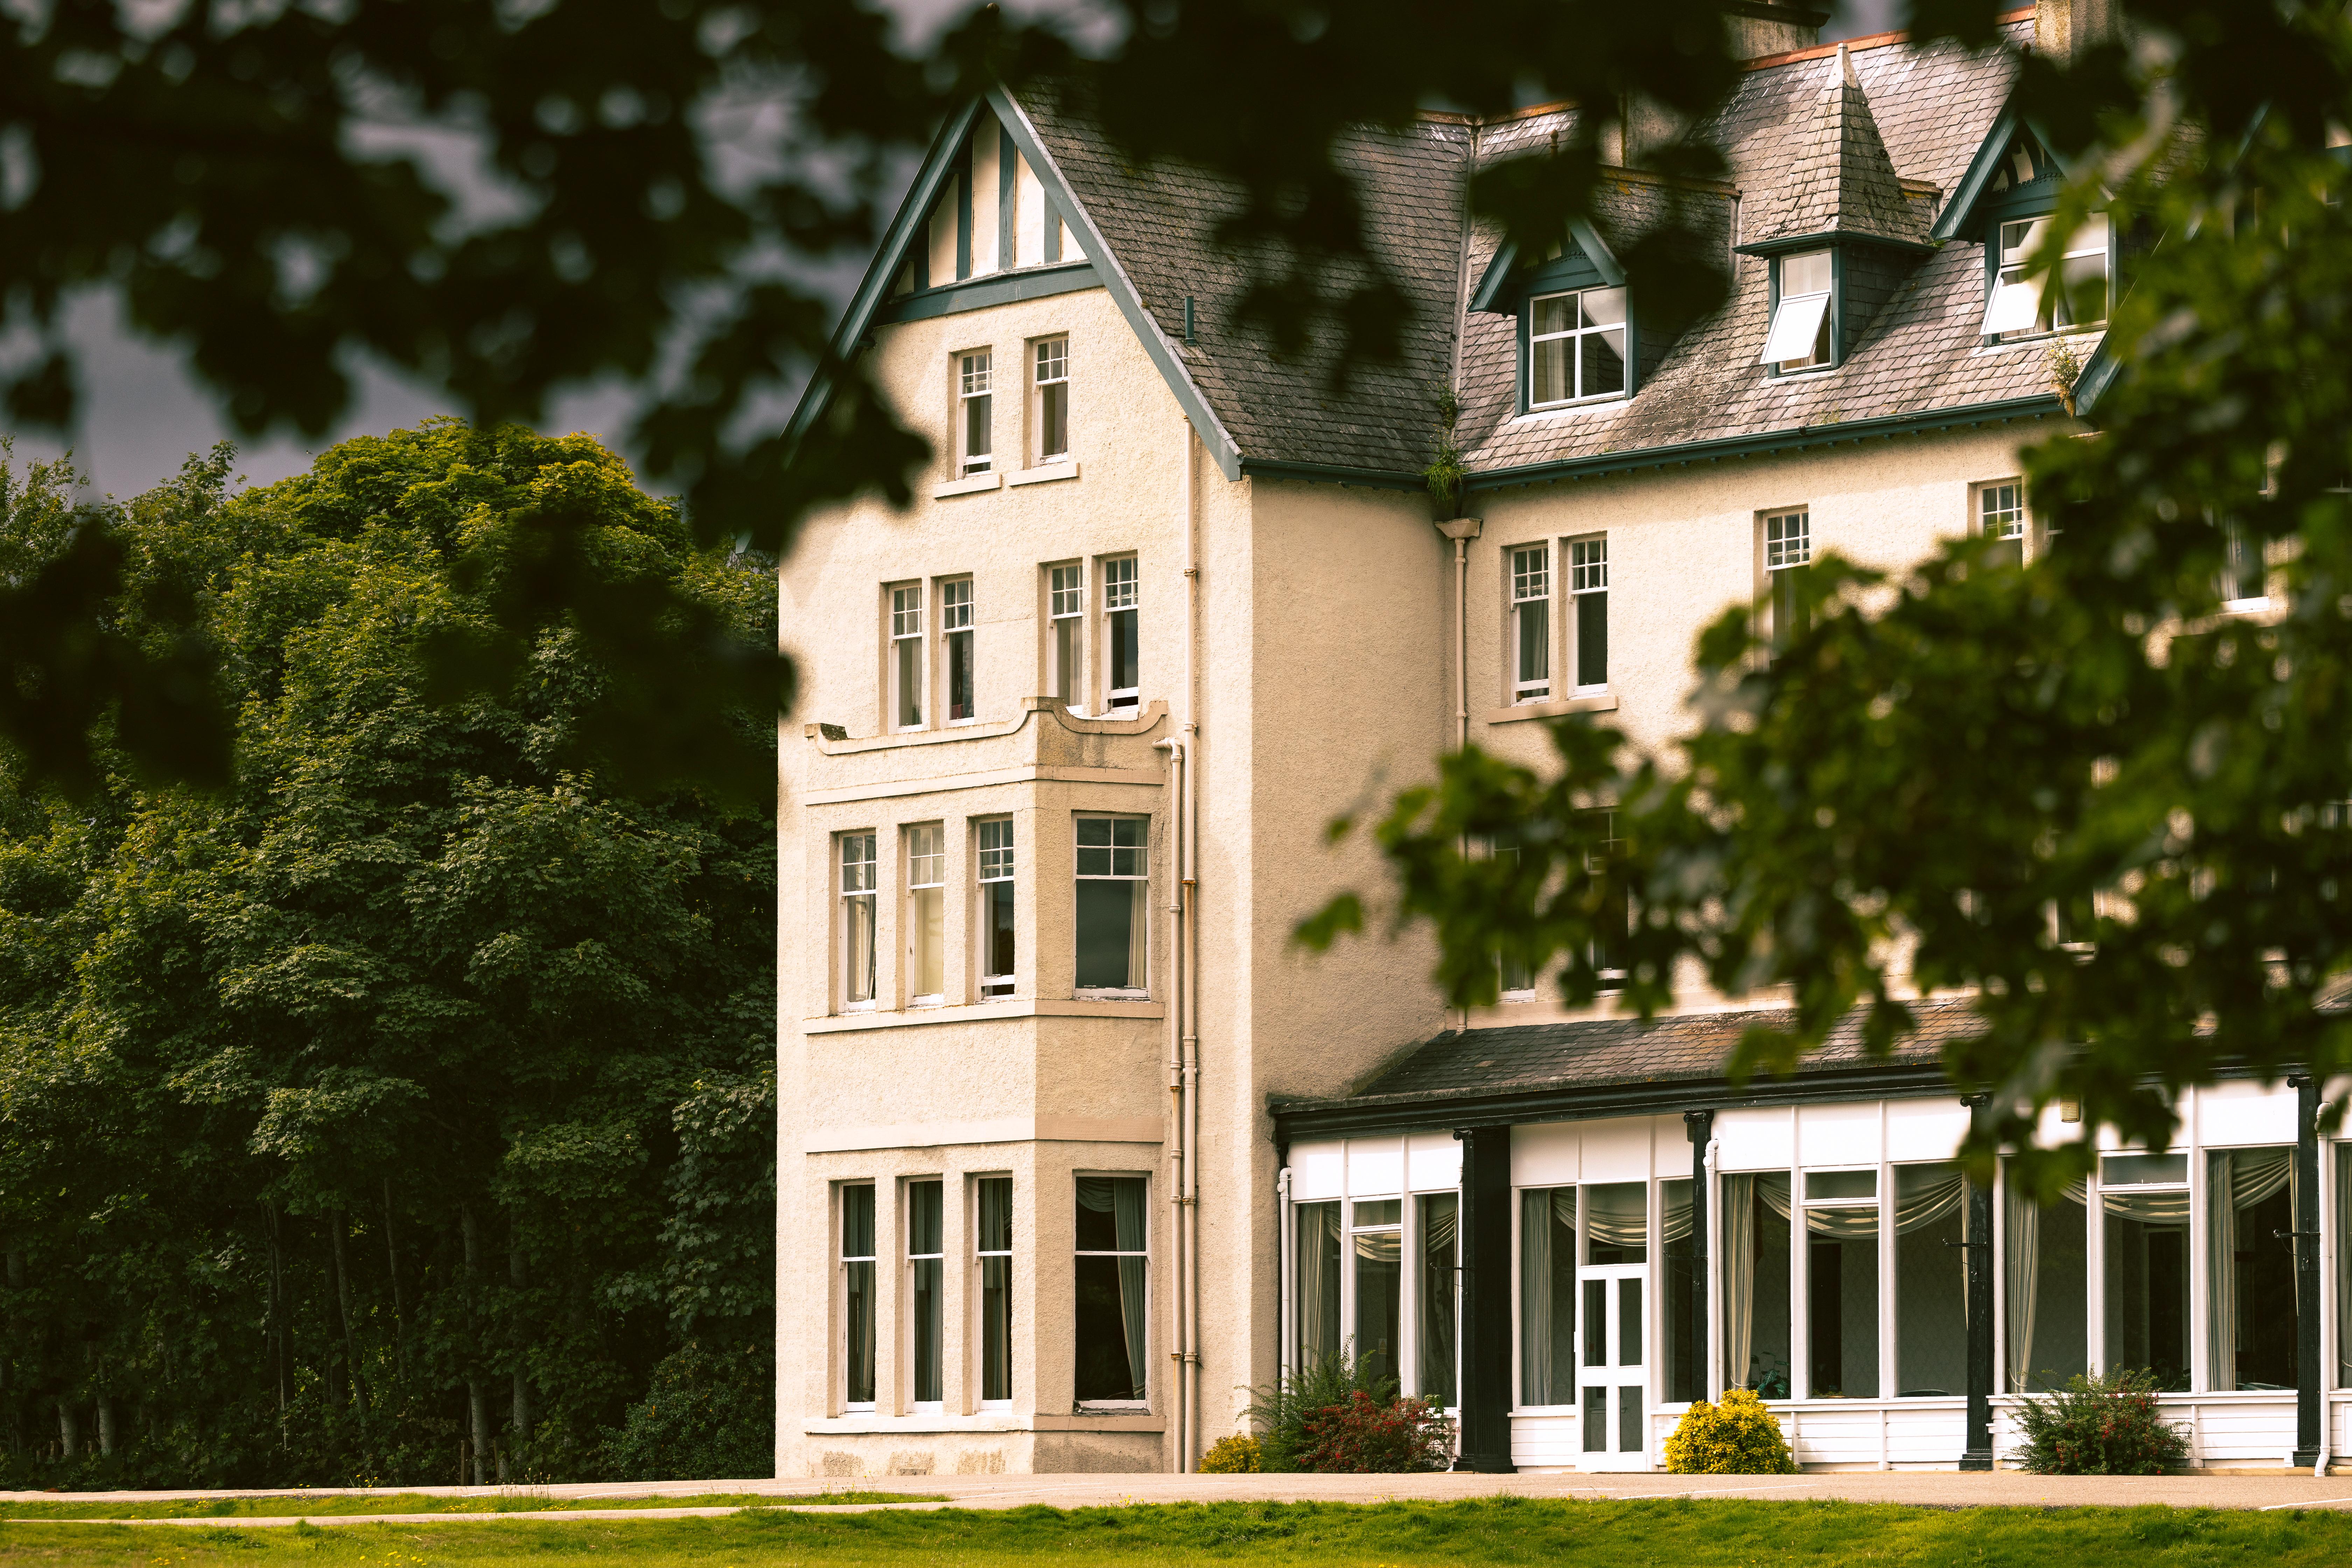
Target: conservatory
x=1549, y=1279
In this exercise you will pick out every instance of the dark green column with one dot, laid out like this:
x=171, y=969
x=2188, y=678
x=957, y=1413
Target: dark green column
x=2305, y=1220
x=1485, y=1436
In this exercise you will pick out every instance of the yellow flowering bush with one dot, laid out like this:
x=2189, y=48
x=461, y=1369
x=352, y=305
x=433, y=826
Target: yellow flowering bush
x=1234, y=1456
x=1736, y=1437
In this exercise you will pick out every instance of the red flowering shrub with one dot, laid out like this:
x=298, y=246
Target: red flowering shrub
x=1365, y=1436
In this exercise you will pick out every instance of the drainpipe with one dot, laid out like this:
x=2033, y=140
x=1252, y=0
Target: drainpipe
x=1191, y=895
x=1179, y=1149
x=1462, y=531
x=1285, y=1331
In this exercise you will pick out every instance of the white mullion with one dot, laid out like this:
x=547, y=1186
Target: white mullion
x=2201, y=1284
x=1888, y=1307
x=1801, y=1283
x=2094, y=1262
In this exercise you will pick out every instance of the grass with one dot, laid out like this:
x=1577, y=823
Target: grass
x=1708, y=1534
x=313, y=1506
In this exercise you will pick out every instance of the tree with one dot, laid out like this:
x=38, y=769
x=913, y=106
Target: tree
x=385, y=1100
x=2118, y=814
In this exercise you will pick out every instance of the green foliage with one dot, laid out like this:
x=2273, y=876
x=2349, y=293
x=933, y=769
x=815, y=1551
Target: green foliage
x=1736, y=1437
x=420, y=1070
x=1364, y=1435
x=1235, y=1455
x=1280, y=1410
x=708, y=1414
x=2110, y=1425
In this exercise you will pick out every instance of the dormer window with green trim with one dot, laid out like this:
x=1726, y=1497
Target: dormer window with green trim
x=2023, y=304
x=1576, y=347
x=1803, y=335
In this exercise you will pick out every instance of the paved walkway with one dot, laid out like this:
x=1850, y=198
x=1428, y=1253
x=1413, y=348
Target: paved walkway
x=1931, y=1489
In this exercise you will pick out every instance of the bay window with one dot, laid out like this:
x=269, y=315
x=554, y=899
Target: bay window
x=995, y=924
x=1756, y=1339
x=1435, y=1301
x=1931, y=1281
x=1110, y=1318
x=1114, y=910
x=1547, y=1297
x=1531, y=624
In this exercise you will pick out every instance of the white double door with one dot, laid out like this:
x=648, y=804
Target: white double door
x=1612, y=1375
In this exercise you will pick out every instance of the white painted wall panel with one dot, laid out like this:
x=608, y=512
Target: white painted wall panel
x=2236, y=1114
x=1375, y=1166
x=1435, y=1161
x=1317, y=1171
x=1838, y=1135
x=943, y=236
x=1545, y=1156
x=1925, y=1129
x=1029, y=215
x=1617, y=1150
x=1757, y=1139
x=986, y=199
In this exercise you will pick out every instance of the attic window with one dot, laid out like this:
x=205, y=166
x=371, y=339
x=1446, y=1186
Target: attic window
x=1576, y=346
x=2023, y=304
x=1802, y=317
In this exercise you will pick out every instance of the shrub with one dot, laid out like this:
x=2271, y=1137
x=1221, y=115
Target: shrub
x=1369, y=1436
x=1736, y=1437
x=2102, y=1426
x=710, y=1416
x=1281, y=1409
x=1234, y=1456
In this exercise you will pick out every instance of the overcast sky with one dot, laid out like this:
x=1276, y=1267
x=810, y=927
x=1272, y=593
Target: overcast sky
x=143, y=415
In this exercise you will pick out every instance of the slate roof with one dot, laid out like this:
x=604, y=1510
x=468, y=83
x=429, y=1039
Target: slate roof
x=1805, y=147
x=1683, y=1047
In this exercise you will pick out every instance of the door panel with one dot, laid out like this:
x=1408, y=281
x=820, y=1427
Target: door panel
x=1612, y=1333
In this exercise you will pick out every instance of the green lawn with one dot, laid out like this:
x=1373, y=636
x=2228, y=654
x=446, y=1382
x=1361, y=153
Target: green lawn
x=283, y=1504
x=1570, y=1534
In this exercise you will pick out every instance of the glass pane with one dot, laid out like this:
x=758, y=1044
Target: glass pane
x=1548, y=1296
x=1596, y=1322
x=959, y=697
x=2250, y=1270
x=1547, y=371
x=923, y=1217
x=1629, y=1436
x=1592, y=638
x=2045, y=1276
x=1535, y=642
x=1596, y=1420
x=1378, y=1279
x=1105, y=934
x=1601, y=306
x=1931, y=1271
x=1107, y=1313
x=976, y=433
x=2143, y=1170
x=1756, y=1283
x=1067, y=662
x=1054, y=420
x=996, y=1327
x=926, y=1330
x=1602, y=363
x=1629, y=1322
x=1842, y=1308
x=1551, y=314
x=1382, y=1210
x=2343, y=1153
x=1617, y=1223
x=2083, y=290
x=1843, y=1185
x=995, y=1214
x=1124, y=658
x=858, y=1333
x=2147, y=1247
x=1318, y=1282
x=857, y=940
x=1434, y=1304
x=1682, y=1337
x=1805, y=273
x=910, y=681
x=857, y=1222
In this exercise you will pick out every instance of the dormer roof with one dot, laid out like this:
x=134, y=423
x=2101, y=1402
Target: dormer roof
x=1839, y=183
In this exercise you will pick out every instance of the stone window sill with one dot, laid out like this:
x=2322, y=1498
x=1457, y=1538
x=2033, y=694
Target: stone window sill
x=1044, y=474
x=1598, y=703
x=972, y=486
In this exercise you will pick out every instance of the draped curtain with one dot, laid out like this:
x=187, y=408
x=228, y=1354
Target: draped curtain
x=1138, y=929
x=1126, y=1214
x=1318, y=1283
x=2237, y=1180
x=1434, y=1320
x=1545, y=1215
x=1738, y=1276
x=2342, y=1264
x=1618, y=1214
x=1675, y=1211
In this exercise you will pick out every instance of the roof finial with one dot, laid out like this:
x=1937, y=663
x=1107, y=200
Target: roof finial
x=1846, y=68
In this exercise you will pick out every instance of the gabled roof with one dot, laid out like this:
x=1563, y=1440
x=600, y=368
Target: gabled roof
x=1992, y=172
x=1495, y=288
x=1839, y=183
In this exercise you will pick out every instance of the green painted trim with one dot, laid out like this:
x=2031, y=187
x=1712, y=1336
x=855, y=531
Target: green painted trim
x=1832, y=240
x=2098, y=376
x=1499, y=292
x=2041, y=405
x=912, y=226
x=1169, y=359
x=963, y=216
x=997, y=289
x=1489, y=292
x=1960, y=218
x=1008, y=202
x=1333, y=474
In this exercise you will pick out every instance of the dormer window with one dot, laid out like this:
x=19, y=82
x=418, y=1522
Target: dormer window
x=2023, y=303
x=1576, y=346
x=1803, y=334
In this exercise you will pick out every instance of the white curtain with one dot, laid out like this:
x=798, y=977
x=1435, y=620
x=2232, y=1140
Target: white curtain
x=2342, y=1264
x=1534, y=1295
x=1738, y=1277
x=1138, y=929
x=1434, y=1315
x=1618, y=1214
x=1933, y=1202
x=1126, y=1214
x=1675, y=1211
x=1318, y=1282
x=2234, y=1181
x=2021, y=1272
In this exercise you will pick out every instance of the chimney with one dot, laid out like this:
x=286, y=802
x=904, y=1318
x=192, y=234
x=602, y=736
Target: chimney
x=1761, y=28
x=2062, y=30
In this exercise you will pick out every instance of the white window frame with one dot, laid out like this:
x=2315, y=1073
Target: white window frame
x=995, y=863
x=1407, y=1371
x=1572, y=339
x=975, y=403
x=1049, y=382
x=909, y=1258
x=978, y=1327
x=1588, y=594
x=956, y=622
x=1608, y=844
x=908, y=656
x=1121, y=596
x=843, y=1260
x=2019, y=304
x=1809, y=317
x=855, y=881
x=1150, y=1321
x=2000, y=513
x=926, y=872
x=1785, y=540
x=1141, y=873
x=1528, y=577
x=1065, y=634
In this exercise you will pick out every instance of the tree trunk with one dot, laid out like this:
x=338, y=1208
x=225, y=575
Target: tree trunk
x=106, y=1424
x=69, y=1429
x=477, y=1394
x=392, y=1269
x=518, y=1273
x=278, y=1349
x=337, y=1222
